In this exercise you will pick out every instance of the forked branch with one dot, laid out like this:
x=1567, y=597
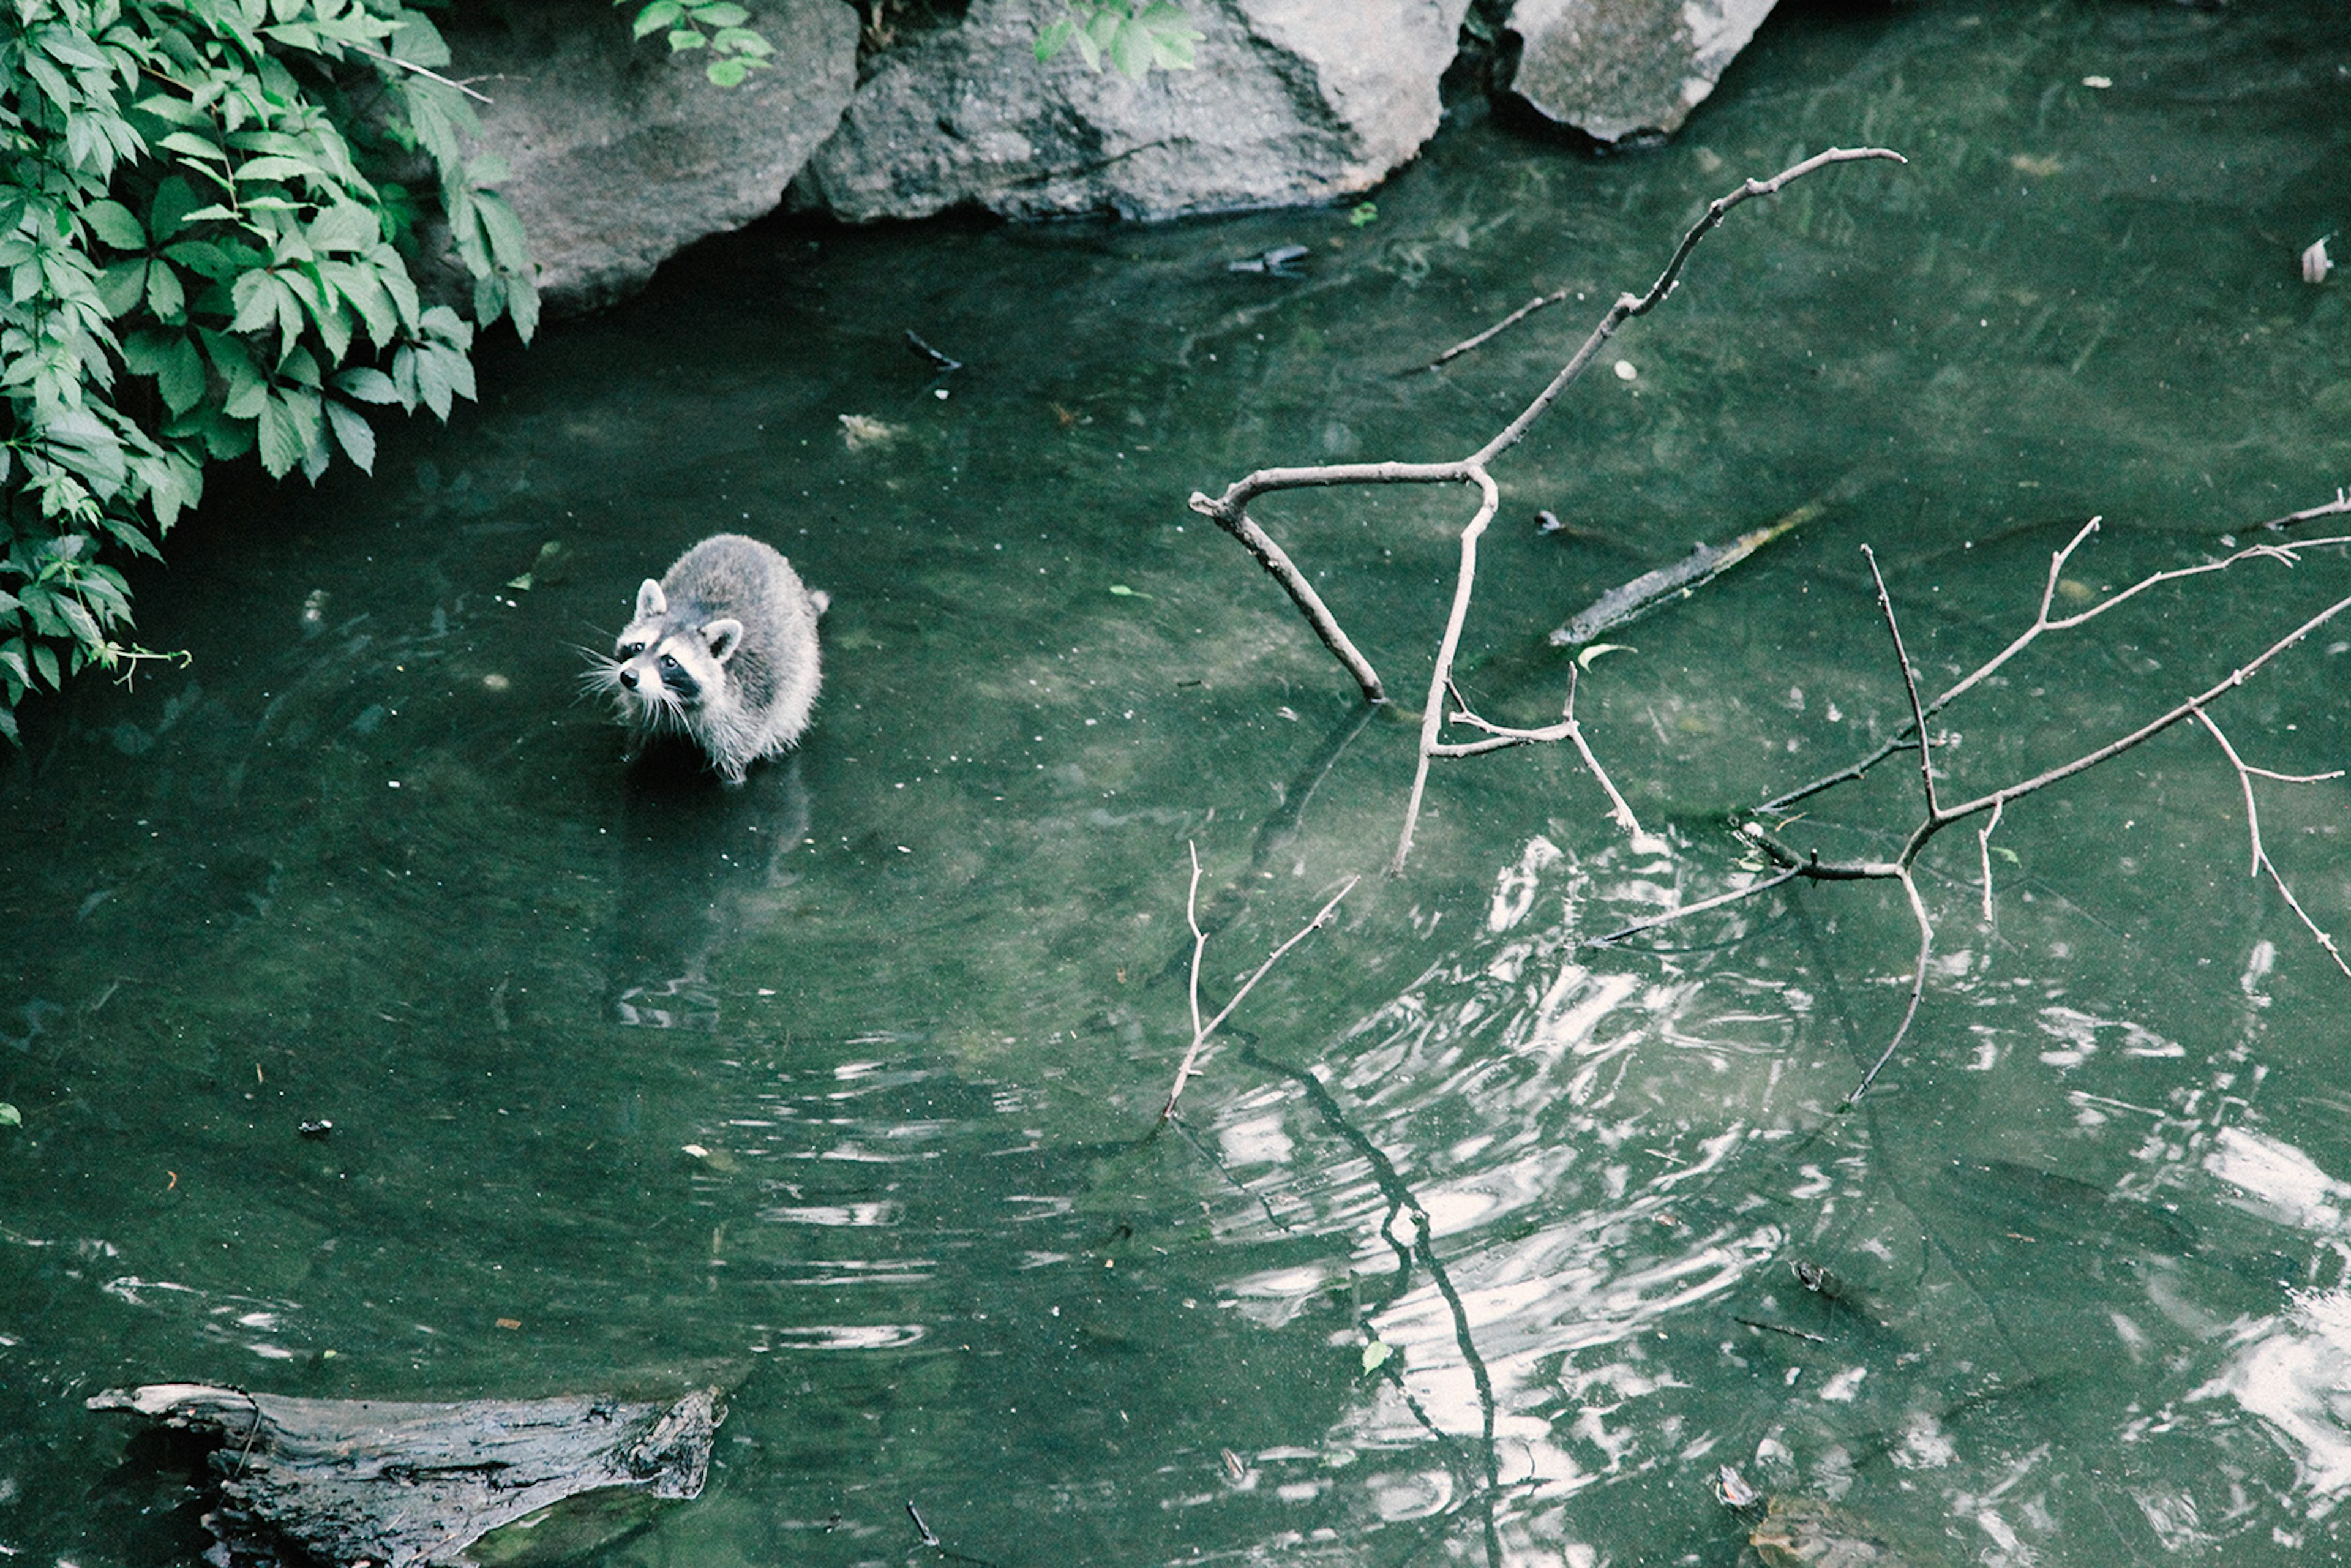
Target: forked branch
x=1230, y=511
x=1905, y=738
x=1189, y=1068
x=1938, y=816
x=2246, y=773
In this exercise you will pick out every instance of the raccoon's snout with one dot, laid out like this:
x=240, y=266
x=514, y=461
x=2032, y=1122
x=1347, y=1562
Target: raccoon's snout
x=628, y=678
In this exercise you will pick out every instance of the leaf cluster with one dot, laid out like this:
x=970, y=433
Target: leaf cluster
x=717, y=25
x=206, y=250
x=1134, y=36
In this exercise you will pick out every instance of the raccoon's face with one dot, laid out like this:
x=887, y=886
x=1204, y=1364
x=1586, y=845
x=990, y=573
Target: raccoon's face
x=664, y=667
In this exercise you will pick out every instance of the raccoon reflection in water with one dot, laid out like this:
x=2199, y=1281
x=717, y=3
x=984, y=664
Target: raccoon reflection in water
x=723, y=651
x=700, y=871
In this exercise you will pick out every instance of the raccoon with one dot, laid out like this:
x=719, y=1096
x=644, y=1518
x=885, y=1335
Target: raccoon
x=722, y=650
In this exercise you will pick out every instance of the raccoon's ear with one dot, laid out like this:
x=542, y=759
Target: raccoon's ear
x=722, y=638
x=651, y=601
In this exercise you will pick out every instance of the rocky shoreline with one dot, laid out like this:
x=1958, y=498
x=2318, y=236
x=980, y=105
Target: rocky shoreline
x=620, y=155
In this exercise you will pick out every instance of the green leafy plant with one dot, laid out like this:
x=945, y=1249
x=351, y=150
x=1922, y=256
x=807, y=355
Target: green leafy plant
x=735, y=50
x=205, y=254
x=1133, y=34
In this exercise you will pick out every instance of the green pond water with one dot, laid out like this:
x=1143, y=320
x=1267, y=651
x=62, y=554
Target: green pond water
x=835, y=1090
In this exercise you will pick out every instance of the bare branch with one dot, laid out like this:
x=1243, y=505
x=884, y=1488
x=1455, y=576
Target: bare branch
x=1983, y=847
x=1917, y=989
x=1236, y=521
x=1925, y=830
x=2286, y=555
x=2341, y=504
x=1628, y=306
x=2262, y=861
x=1189, y=1068
x=2290, y=556
x=1432, y=717
x=1910, y=682
x=1620, y=810
x=1230, y=511
x=1498, y=328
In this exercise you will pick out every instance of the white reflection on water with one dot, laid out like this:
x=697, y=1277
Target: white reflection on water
x=835, y=1337
x=1551, y=1124
x=2293, y=1369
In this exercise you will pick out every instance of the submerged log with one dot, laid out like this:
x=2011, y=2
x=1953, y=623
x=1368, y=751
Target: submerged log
x=362, y=1483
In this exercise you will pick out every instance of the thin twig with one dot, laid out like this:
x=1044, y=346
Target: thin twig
x=1917, y=989
x=1498, y=328
x=1909, y=681
x=2146, y=732
x=1781, y=1328
x=1619, y=809
x=1983, y=847
x=1903, y=739
x=1199, y=938
x=1700, y=907
x=1189, y=1068
x=429, y=76
x=2262, y=861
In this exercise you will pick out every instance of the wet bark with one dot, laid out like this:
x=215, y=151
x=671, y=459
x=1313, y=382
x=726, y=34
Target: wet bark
x=354, y=1482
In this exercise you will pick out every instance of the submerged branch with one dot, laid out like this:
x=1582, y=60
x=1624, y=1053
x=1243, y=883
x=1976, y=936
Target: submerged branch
x=2246, y=772
x=1230, y=510
x=1905, y=738
x=1189, y=1068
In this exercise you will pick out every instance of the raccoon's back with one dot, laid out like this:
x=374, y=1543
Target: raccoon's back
x=771, y=682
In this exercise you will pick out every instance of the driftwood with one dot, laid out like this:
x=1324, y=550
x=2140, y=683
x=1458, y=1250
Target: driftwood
x=362, y=1483
x=1623, y=606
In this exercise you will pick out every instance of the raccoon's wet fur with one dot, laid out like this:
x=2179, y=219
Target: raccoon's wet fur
x=723, y=651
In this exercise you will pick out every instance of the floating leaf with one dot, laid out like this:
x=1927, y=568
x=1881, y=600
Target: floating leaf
x=1585, y=659
x=10, y=1116
x=1365, y=213
x=1376, y=1354
x=1125, y=593
x=2005, y=852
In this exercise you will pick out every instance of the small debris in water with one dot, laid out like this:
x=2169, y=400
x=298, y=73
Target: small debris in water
x=861, y=431
x=1732, y=1490
x=1813, y=1277
x=942, y=363
x=1625, y=371
x=1275, y=262
x=316, y=1131
x=2100, y=82
x=2316, y=263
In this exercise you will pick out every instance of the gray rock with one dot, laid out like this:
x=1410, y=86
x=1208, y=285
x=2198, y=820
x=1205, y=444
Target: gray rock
x=621, y=154
x=1292, y=101
x=1613, y=68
